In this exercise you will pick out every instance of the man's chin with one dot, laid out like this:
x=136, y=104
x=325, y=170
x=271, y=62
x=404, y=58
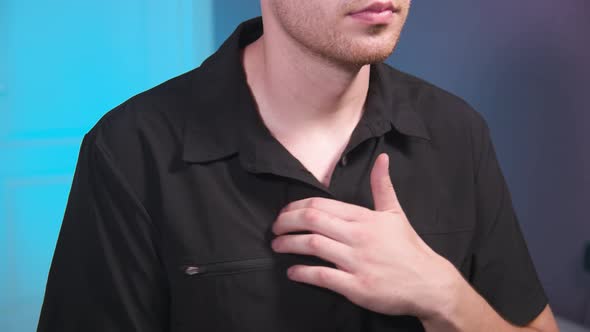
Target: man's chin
x=361, y=59
x=369, y=52
x=356, y=53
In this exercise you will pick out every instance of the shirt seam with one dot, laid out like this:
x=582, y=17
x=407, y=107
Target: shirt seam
x=107, y=156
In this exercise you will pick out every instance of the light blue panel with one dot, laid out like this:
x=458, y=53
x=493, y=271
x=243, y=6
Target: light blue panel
x=39, y=156
x=34, y=219
x=203, y=38
x=63, y=64
x=88, y=56
x=3, y=69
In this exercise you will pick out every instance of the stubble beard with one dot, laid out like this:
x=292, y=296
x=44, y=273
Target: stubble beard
x=335, y=46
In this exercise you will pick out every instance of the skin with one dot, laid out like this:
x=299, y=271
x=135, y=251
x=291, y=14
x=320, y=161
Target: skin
x=309, y=75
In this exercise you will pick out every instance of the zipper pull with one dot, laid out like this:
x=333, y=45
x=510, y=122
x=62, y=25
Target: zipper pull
x=192, y=270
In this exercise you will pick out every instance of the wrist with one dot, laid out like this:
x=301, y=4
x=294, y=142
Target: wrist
x=451, y=291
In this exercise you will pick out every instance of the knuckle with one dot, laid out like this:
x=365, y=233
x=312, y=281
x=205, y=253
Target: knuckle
x=368, y=282
x=313, y=203
x=314, y=242
x=387, y=183
x=357, y=260
x=275, y=228
x=311, y=216
x=368, y=258
x=323, y=276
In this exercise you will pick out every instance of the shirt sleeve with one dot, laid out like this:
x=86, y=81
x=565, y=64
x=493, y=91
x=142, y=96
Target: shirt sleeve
x=106, y=274
x=502, y=269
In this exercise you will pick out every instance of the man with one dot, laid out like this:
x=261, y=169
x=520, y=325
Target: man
x=294, y=182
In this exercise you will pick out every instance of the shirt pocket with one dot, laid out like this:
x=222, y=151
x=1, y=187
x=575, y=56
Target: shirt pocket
x=452, y=235
x=212, y=296
x=251, y=294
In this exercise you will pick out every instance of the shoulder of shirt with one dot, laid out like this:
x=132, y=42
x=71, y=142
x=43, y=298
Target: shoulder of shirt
x=437, y=107
x=141, y=136
x=162, y=107
x=454, y=126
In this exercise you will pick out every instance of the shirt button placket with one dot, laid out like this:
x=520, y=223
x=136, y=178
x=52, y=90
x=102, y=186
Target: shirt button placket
x=343, y=161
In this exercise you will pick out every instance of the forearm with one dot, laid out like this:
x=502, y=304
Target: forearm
x=468, y=311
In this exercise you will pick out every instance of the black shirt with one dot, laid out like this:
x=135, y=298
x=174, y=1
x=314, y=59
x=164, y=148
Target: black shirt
x=168, y=222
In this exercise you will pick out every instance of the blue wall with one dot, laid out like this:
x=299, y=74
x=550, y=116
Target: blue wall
x=524, y=65
x=63, y=64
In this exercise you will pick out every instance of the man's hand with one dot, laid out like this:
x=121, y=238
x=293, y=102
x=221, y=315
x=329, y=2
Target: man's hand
x=383, y=265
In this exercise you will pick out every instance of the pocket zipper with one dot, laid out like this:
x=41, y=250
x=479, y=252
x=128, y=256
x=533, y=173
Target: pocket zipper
x=220, y=268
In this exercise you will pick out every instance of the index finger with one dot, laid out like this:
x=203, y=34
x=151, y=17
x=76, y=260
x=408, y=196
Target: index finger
x=342, y=210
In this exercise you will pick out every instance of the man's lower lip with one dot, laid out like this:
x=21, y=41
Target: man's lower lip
x=370, y=17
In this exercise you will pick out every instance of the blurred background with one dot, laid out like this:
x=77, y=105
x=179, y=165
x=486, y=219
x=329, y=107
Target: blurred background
x=525, y=65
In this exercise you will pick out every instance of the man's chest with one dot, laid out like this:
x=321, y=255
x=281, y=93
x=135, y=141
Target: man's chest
x=216, y=221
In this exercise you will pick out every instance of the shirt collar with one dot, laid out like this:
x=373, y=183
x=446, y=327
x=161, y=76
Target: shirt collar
x=223, y=119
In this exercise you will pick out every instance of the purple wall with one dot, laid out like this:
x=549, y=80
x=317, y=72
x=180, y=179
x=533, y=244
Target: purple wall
x=525, y=65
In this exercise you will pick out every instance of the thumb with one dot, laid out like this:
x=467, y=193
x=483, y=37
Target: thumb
x=384, y=197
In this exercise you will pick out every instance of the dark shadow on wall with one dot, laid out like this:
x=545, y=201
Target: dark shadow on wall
x=228, y=14
x=537, y=125
x=528, y=71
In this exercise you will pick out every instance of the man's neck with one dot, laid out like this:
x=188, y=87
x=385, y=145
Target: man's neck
x=299, y=91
